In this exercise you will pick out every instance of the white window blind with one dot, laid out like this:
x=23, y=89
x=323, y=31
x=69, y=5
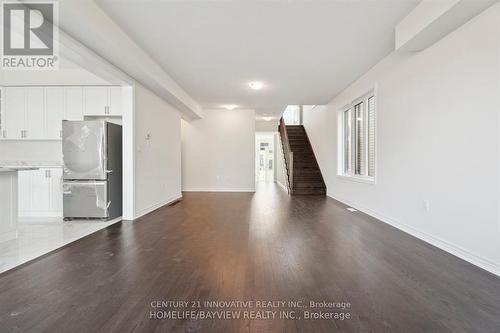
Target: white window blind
x=348, y=141
x=371, y=136
x=358, y=139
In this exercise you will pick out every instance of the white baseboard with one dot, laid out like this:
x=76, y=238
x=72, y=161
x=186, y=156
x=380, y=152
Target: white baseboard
x=283, y=186
x=162, y=203
x=453, y=249
x=219, y=189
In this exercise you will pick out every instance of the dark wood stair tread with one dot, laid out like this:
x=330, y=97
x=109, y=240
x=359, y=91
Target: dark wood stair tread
x=307, y=175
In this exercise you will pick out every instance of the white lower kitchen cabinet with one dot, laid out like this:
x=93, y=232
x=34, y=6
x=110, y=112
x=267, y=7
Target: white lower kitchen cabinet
x=40, y=193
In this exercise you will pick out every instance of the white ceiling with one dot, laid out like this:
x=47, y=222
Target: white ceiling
x=306, y=52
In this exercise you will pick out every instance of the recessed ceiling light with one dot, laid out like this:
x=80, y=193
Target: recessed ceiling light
x=230, y=106
x=267, y=118
x=256, y=85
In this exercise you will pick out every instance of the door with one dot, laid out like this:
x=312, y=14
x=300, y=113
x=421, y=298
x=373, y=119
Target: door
x=115, y=101
x=266, y=161
x=85, y=199
x=96, y=101
x=15, y=108
x=73, y=103
x=35, y=113
x=262, y=165
x=54, y=110
x=270, y=163
x=84, y=150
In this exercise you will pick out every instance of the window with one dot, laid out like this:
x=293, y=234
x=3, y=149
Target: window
x=357, y=144
x=292, y=116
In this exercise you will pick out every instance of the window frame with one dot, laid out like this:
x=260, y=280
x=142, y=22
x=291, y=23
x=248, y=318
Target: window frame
x=341, y=147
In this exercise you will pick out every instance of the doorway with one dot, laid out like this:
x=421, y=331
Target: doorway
x=264, y=157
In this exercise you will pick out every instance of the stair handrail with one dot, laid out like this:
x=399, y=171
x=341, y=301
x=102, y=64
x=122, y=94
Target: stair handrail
x=287, y=153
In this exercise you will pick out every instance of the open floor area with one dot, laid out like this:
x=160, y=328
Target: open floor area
x=250, y=166
x=262, y=246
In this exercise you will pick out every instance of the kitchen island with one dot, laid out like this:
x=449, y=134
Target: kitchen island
x=8, y=204
x=9, y=201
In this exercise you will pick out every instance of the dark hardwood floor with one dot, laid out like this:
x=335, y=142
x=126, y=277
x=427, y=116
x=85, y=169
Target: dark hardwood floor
x=245, y=246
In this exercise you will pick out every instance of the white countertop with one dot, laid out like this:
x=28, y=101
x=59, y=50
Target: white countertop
x=17, y=168
x=30, y=164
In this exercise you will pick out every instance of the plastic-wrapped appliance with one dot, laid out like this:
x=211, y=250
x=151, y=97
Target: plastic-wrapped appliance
x=92, y=159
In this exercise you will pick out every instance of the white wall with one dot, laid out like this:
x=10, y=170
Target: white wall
x=218, y=151
x=438, y=139
x=266, y=126
x=68, y=74
x=158, y=160
x=31, y=151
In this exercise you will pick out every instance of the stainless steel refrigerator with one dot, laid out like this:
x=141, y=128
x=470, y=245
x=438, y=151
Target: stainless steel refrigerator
x=92, y=159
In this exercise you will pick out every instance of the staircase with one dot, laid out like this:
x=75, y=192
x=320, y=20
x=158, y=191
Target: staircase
x=304, y=174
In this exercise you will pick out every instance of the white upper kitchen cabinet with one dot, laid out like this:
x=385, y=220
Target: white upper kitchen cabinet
x=115, y=101
x=24, y=113
x=34, y=126
x=54, y=108
x=15, y=113
x=73, y=103
x=36, y=113
x=96, y=101
x=103, y=101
